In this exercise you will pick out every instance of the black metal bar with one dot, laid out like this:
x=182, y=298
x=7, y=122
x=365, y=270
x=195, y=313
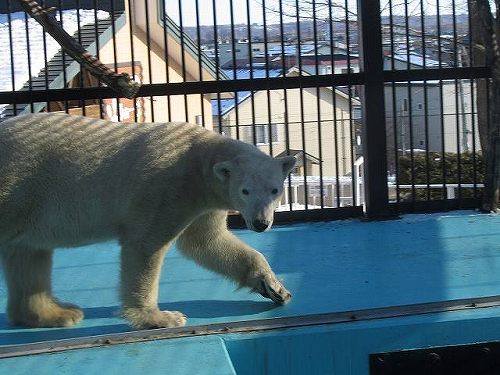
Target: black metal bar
x=132, y=52
x=458, y=86
x=200, y=55
x=115, y=54
x=97, y=53
x=28, y=55
x=251, y=73
x=349, y=90
x=425, y=104
x=409, y=109
x=149, y=60
x=65, y=74
x=285, y=100
x=183, y=59
x=45, y=58
x=166, y=56
x=334, y=112
x=372, y=97
x=394, y=107
x=219, y=86
x=233, y=52
x=86, y=4
x=318, y=107
x=268, y=128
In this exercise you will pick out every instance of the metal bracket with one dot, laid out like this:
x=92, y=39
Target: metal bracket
x=482, y=358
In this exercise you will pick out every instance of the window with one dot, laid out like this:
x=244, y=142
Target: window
x=262, y=133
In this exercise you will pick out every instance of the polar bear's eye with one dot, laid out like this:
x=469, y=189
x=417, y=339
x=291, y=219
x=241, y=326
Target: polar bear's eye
x=274, y=191
x=245, y=192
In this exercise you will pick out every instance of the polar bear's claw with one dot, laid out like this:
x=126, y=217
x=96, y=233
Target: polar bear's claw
x=274, y=290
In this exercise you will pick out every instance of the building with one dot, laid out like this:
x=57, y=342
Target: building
x=433, y=116
x=155, y=53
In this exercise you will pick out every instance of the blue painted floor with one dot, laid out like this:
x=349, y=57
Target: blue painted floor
x=329, y=267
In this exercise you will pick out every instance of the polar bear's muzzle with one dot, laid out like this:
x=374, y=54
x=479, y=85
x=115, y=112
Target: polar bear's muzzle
x=261, y=225
x=259, y=220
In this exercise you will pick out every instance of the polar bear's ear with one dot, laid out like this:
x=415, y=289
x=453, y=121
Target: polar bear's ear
x=288, y=162
x=222, y=170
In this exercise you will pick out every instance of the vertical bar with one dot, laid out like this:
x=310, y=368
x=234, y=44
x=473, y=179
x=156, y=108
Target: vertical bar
x=334, y=109
x=98, y=48
x=81, y=85
x=473, y=87
x=132, y=53
x=27, y=35
x=166, y=55
x=200, y=60
x=409, y=109
x=250, y=66
x=318, y=106
x=301, y=95
x=115, y=56
x=425, y=104
x=349, y=71
x=458, y=108
x=217, y=72
x=150, y=64
x=183, y=60
x=235, y=75
x=394, y=106
x=267, y=67
x=11, y=50
x=65, y=75
x=441, y=105
x=372, y=98
x=285, y=101
x=252, y=99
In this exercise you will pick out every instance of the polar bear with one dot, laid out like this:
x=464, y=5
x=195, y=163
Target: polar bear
x=68, y=181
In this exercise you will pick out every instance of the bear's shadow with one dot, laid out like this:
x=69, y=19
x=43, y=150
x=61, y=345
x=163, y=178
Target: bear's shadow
x=200, y=309
x=194, y=309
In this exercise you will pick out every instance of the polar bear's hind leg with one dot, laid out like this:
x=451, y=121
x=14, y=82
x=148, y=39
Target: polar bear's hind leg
x=30, y=301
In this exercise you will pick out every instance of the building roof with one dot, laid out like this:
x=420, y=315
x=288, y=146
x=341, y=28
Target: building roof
x=299, y=155
x=288, y=50
x=220, y=107
x=416, y=59
x=61, y=68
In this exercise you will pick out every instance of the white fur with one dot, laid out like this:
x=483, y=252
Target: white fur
x=69, y=180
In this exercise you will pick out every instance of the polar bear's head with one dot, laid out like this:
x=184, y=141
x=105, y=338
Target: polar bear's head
x=255, y=186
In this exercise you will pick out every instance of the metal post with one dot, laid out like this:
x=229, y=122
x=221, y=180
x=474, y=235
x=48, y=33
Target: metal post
x=372, y=98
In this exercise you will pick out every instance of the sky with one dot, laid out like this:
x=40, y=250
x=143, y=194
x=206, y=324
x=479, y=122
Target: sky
x=244, y=10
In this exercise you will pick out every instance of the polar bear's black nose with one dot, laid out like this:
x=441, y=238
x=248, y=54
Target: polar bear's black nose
x=260, y=226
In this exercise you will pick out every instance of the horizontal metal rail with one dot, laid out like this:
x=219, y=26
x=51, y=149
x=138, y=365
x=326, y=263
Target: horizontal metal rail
x=203, y=87
x=251, y=326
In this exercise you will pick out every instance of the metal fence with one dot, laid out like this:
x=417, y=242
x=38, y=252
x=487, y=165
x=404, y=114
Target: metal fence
x=379, y=101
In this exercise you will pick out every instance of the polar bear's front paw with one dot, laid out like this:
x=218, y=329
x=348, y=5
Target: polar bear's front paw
x=147, y=318
x=270, y=287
